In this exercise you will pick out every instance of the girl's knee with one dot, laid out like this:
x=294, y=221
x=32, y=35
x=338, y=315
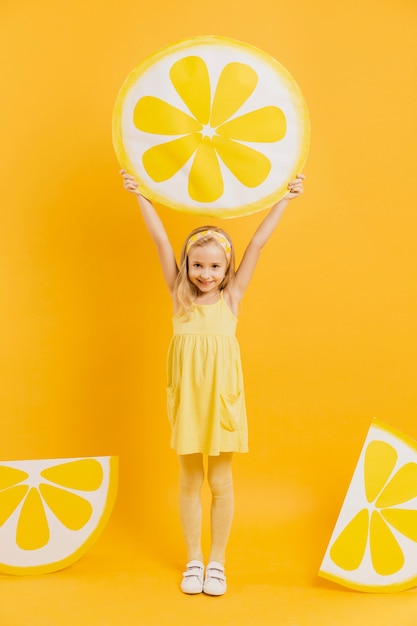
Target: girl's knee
x=191, y=483
x=220, y=477
x=220, y=482
x=191, y=475
x=191, y=463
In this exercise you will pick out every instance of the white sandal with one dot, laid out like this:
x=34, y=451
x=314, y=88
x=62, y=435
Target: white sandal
x=215, y=581
x=192, y=581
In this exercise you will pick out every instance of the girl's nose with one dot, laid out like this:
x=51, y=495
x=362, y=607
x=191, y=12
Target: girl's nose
x=204, y=272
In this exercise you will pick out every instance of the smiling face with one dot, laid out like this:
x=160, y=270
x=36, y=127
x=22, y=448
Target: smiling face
x=207, y=267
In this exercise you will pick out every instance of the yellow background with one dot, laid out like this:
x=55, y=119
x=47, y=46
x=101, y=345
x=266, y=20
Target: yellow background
x=327, y=329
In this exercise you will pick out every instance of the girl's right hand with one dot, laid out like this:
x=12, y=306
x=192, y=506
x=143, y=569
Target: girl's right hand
x=130, y=183
x=295, y=187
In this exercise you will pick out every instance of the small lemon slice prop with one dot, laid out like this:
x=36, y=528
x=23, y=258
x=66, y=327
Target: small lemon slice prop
x=211, y=126
x=52, y=511
x=374, y=543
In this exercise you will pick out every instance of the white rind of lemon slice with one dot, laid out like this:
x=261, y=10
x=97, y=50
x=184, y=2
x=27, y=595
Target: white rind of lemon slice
x=52, y=511
x=373, y=546
x=211, y=126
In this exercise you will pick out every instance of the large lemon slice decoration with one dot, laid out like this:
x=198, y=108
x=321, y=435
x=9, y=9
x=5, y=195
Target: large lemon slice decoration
x=374, y=543
x=51, y=511
x=211, y=126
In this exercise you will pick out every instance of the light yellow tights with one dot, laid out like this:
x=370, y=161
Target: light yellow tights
x=220, y=480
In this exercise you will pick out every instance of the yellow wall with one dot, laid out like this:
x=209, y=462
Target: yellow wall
x=328, y=327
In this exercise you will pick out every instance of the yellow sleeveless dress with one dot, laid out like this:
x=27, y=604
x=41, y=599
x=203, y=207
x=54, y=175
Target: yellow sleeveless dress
x=205, y=394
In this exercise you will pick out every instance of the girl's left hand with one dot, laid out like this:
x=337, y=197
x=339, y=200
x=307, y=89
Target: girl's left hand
x=295, y=187
x=129, y=182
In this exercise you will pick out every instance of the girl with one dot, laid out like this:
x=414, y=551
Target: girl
x=206, y=405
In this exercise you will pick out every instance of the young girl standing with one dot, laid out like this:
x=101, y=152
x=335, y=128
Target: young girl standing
x=206, y=405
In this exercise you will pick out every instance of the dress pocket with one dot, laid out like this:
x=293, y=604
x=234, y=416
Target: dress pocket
x=230, y=407
x=173, y=400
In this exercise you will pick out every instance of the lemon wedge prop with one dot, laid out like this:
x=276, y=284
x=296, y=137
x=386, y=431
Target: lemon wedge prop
x=211, y=126
x=374, y=543
x=52, y=511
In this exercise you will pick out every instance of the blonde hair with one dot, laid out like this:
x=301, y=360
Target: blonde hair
x=184, y=291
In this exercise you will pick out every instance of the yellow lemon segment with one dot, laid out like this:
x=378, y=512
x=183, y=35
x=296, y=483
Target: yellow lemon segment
x=348, y=549
x=84, y=474
x=380, y=460
x=401, y=488
x=72, y=510
x=190, y=78
x=386, y=554
x=52, y=511
x=374, y=543
x=236, y=83
x=245, y=163
x=10, y=500
x=211, y=126
x=162, y=160
x=264, y=125
x=11, y=476
x=205, y=189
x=404, y=520
x=32, y=531
x=153, y=115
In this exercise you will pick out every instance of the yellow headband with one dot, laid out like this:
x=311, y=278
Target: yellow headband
x=219, y=238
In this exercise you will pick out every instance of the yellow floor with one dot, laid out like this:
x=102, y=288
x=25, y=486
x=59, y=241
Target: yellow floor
x=132, y=578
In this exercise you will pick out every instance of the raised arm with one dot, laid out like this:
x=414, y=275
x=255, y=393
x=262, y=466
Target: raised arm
x=156, y=230
x=260, y=238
